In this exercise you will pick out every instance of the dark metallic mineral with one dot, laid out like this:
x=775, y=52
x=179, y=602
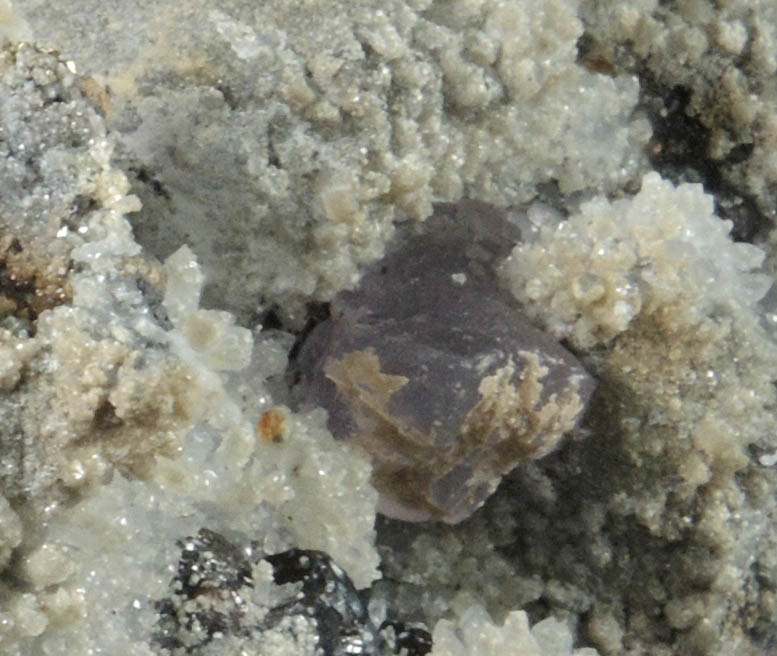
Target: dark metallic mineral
x=432, y=368
x=407, y=640
x=329, y=597
x=210, y=604
x=209, y=567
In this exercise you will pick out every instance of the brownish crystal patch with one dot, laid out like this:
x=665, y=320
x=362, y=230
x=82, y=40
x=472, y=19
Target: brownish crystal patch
x=29, y=283
x=272, y=425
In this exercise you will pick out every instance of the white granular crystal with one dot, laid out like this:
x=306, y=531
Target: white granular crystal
x=475, y=633
x=314, y=126
x=612, y=261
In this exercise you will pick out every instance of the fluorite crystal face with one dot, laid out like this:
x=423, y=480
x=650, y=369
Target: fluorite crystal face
x=430, y=366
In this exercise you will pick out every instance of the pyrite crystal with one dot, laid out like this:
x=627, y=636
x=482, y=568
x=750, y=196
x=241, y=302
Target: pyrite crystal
x=430, y=366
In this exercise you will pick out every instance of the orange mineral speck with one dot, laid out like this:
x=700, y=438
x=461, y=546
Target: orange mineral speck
x=272, y=425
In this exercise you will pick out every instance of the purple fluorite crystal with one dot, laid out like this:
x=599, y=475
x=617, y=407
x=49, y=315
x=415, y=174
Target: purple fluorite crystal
x=431, y=367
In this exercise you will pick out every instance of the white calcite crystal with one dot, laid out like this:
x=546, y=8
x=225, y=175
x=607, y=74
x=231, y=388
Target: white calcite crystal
x=664, y=251
x=475, y=633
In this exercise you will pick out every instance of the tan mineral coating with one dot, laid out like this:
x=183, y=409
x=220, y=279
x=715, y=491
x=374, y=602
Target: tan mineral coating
x=510, y=419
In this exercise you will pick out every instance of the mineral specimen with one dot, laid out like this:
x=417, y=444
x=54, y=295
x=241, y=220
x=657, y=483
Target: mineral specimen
x=655, y=535
x=435, y=372
x=284, y=141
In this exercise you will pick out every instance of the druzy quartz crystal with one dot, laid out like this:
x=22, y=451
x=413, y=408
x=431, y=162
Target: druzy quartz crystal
x=430, y=366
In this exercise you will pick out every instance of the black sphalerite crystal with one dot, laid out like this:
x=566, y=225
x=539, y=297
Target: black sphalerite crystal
x=211, y=568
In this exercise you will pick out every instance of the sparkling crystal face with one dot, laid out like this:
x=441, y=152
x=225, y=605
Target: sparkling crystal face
x=430, y=366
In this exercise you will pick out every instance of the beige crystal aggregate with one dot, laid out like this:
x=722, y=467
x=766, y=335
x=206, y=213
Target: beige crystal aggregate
x=662, y=254
x=725, y=54
x=281, y=140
